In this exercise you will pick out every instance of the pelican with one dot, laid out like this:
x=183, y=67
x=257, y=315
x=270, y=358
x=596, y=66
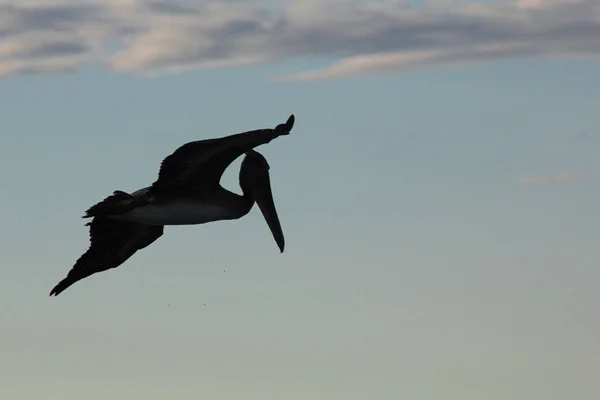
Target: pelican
x=187, y=192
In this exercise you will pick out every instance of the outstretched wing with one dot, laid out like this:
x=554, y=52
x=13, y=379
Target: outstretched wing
x=112, y=242
x=202, y=163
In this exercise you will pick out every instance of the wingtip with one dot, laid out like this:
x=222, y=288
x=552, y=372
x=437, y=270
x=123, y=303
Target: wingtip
x=290, y=122
x=60, y=287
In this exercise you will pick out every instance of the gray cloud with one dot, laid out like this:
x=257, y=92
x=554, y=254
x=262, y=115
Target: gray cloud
x=160, y=36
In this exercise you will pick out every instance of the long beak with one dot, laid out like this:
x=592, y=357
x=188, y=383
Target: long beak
x=264, y=198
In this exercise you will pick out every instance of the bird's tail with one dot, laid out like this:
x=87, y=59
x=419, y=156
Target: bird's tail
x=117, y=203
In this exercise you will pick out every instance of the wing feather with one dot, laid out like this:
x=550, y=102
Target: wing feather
x=202, y=163
x=112, y=242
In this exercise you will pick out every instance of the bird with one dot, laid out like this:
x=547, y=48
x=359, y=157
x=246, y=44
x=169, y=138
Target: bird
x=186, y=192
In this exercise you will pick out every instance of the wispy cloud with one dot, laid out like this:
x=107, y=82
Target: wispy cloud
x=564, y=177
x=151, y=37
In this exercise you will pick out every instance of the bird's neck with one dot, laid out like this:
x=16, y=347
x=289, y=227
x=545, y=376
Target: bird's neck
x=246, y=202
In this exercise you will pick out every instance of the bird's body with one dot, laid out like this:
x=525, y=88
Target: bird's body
x=215, y=205
x=178, y=212
x=187, y=192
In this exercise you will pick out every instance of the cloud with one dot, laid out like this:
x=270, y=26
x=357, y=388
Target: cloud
x=564, y=177
x=152, y=37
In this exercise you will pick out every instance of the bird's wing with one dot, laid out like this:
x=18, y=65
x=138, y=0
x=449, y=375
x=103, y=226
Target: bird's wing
x=201, y=163
x=112, y=242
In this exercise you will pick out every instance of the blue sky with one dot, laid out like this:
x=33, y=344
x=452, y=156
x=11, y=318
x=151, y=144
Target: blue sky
x=438, y=195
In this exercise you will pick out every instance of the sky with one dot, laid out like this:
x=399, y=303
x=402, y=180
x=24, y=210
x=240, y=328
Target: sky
x=438, y=195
